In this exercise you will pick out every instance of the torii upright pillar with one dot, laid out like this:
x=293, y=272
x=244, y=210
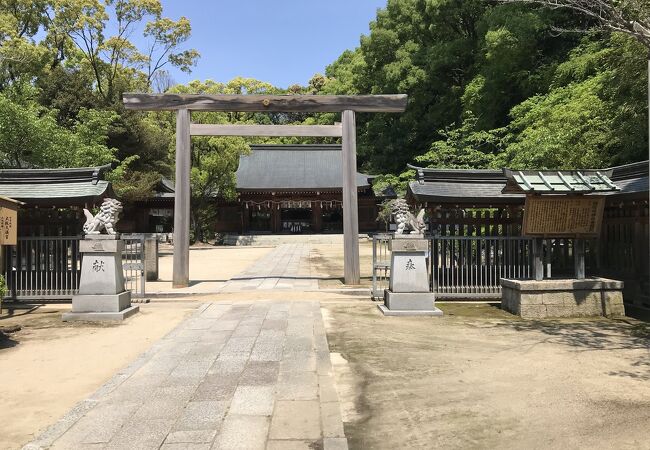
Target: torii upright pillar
x=181, y=275
x=351, y=270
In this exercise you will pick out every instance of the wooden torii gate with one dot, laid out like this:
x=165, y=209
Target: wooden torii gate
x=183, y=104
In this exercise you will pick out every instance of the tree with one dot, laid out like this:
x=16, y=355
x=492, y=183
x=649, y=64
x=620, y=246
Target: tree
x=631, y=17
x=31, y=137
x=113, y=60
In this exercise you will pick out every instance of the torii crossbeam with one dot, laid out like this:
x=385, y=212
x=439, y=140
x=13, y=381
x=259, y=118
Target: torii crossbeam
x=183, y=104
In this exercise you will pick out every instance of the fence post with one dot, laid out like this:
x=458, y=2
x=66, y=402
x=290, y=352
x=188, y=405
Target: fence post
x=151, y=257
x=538, y=264
x=579, y=258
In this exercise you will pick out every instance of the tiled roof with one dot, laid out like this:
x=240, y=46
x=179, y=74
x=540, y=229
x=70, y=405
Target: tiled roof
x=293, y=168
x=476, y=186
x=64, y=187
x=484, y=186
x=559, y=181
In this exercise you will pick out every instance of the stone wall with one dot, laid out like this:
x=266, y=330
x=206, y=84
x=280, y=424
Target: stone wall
x=543, y=299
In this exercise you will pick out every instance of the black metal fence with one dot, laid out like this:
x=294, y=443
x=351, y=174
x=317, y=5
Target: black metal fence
x=473, y=265
x=461, y=266
x=43, y=267
x=49, y=268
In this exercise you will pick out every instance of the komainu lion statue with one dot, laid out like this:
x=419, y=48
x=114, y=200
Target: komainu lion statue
x=105, y=219
x=405, y=220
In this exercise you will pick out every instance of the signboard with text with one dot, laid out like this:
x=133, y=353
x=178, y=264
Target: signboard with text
x=8, y=225
x=563, y=216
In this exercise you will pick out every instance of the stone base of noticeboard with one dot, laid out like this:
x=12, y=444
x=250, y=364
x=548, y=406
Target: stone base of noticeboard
x=563, y=298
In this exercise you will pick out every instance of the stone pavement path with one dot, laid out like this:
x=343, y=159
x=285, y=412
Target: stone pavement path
x=285, y=267
x=233, y=376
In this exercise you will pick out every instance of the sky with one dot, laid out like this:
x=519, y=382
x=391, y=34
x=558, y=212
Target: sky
x=279, y=41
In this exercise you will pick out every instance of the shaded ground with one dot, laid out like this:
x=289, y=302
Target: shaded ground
x=49, y=365
x=481, y=378
x=327, y=263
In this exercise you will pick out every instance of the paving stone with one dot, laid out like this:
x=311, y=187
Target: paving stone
x=271, y=335
x=246, y=331
x=191, y=436
x=202, y=415
x=275, y=324
x=268, y=350
x=298, y=362
x=158, y=366
x=98, y=425
x=186, y=446
x=225, y=379
x=199, y=324
x=191, y=369
x=335, y=444
x=331, y=422
x=296, y=420
x=160, y=409
x=297, y=344
x=225, y=325
x=277, y=444
x=204, y=352
x=141, y=434
x=300, y=327
x=229, y=356
x=227, y=366
x=127, y=392
x=190, y=335
x=260, y=373
x=187, y=381
x=239, y=344
x=253, y=400
x=178, y=393
x=324, y=363
x=297, y=386
x=215, y=337
x=243, y=432
x=326, y=390
x=216, y=387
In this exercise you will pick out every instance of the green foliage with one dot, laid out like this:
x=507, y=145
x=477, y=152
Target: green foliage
x=3, y=287
x=464, y=147
x=31, y=137
x=130, y=184
x=491, y=84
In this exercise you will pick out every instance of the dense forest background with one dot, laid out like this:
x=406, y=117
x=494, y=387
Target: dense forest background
x=490, y=84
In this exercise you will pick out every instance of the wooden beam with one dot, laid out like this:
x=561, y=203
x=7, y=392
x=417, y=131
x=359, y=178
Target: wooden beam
x=199, y=129
x=351, y=268
x=181, y=265
x=270, y=103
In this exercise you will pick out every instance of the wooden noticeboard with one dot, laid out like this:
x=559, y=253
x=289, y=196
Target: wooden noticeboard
x=563, y=216
x=8, y=221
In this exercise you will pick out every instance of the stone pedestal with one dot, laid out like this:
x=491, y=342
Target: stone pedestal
x=102, y=295
x=408, y=293
x=557, y=298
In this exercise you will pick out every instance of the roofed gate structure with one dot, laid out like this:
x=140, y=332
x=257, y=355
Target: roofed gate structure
x=347, y=105
x=480, y=204
x=54, y=198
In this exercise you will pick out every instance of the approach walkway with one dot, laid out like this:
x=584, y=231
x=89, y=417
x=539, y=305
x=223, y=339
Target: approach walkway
x=233, y=376
x=286, y=267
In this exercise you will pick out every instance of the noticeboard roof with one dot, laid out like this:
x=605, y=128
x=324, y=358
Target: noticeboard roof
x=559, y=181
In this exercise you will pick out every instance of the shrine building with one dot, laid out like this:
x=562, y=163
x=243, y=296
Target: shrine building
x=293, y=189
